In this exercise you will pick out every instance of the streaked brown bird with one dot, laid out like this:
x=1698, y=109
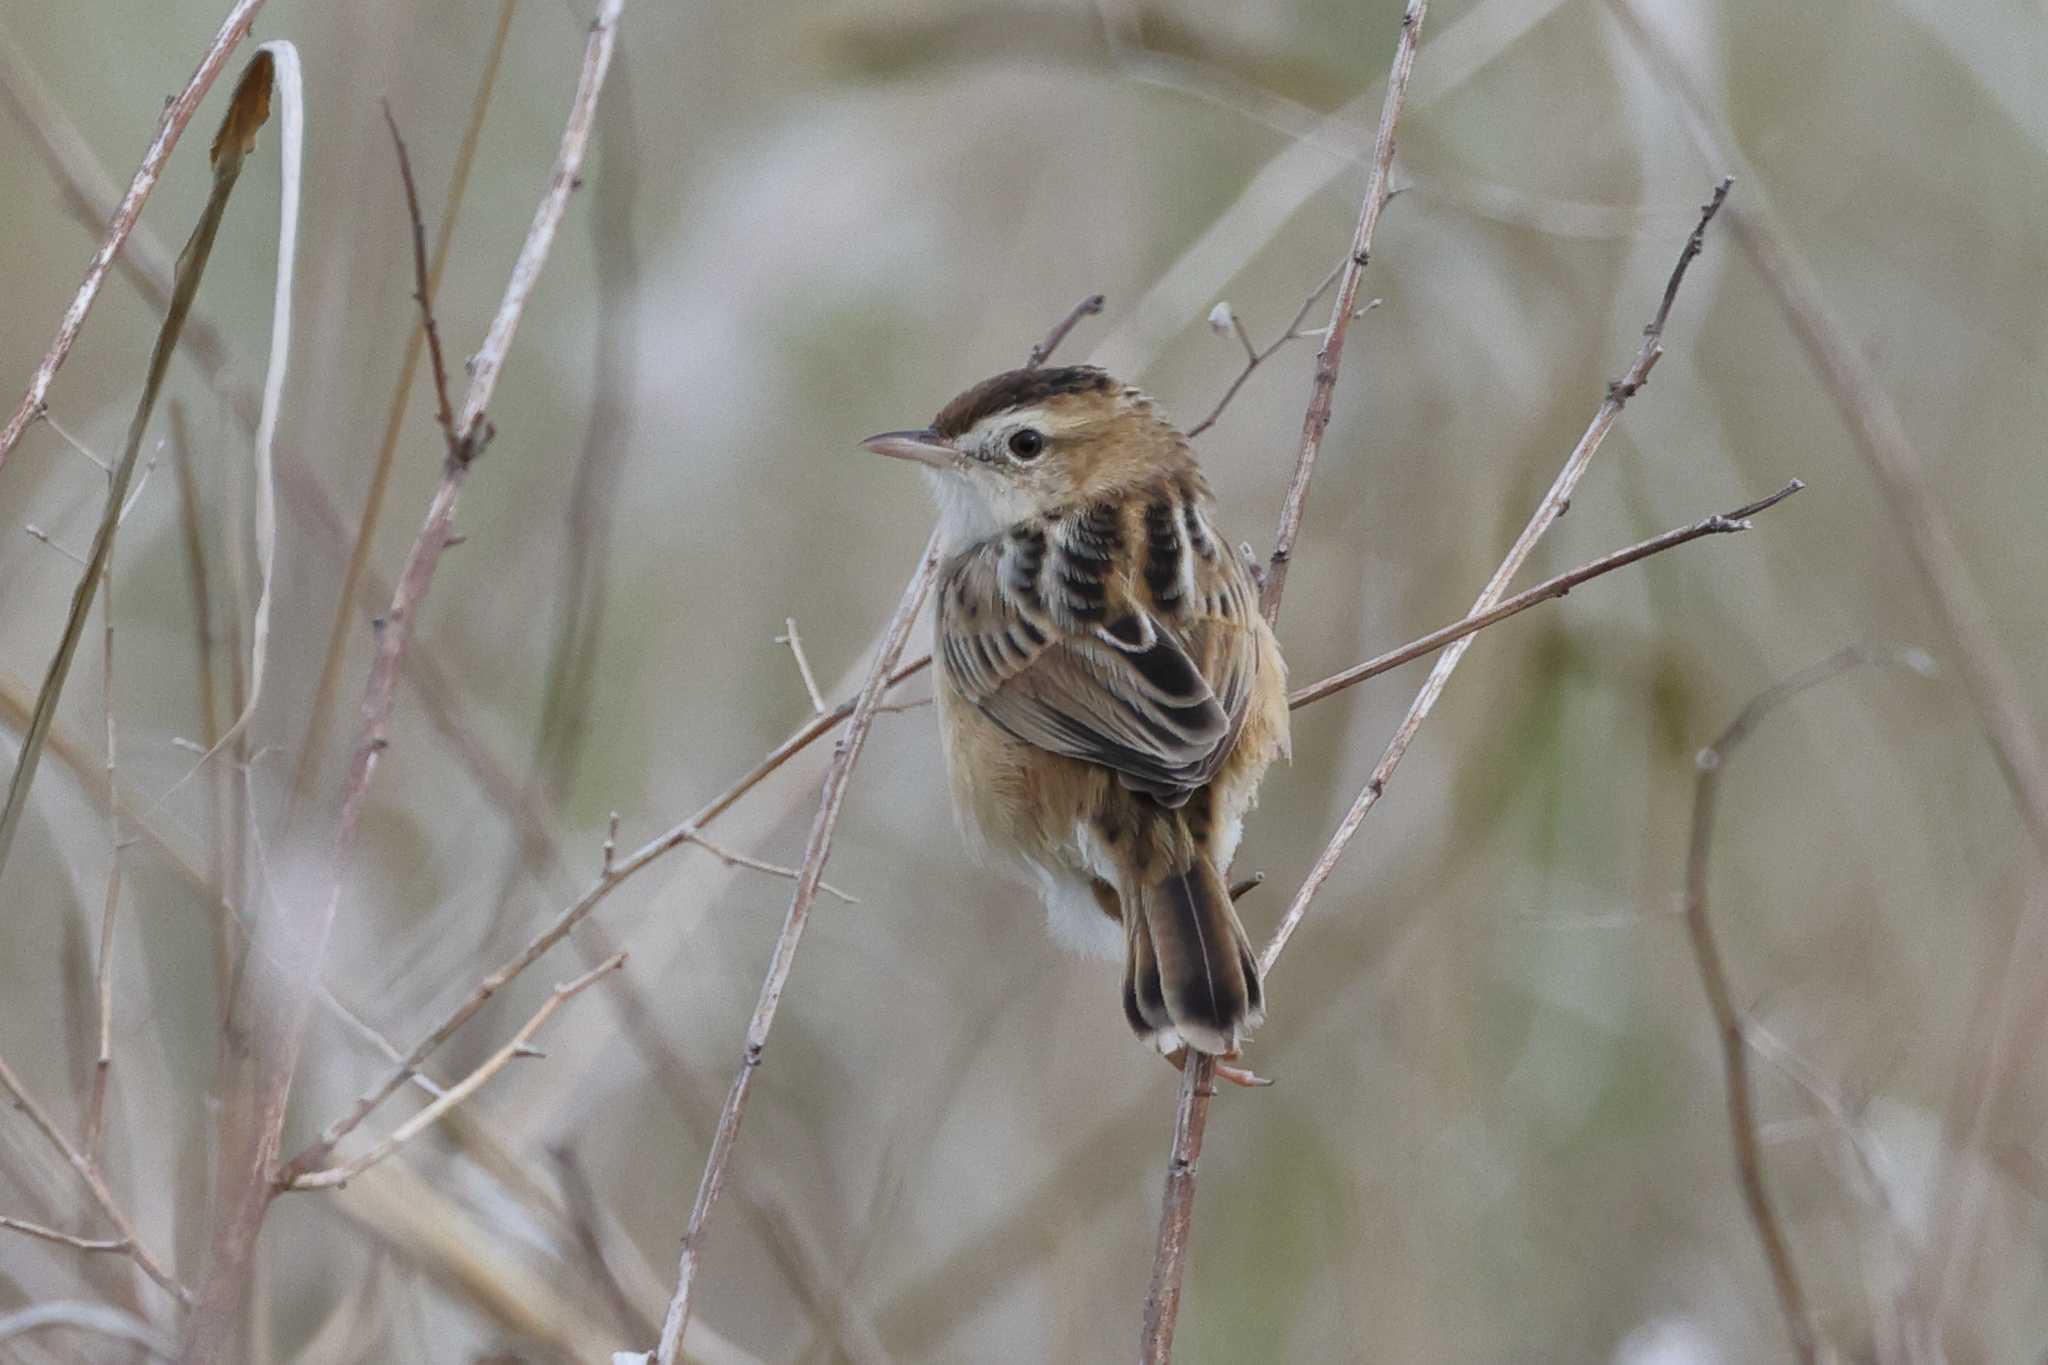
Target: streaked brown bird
x=1108, y=693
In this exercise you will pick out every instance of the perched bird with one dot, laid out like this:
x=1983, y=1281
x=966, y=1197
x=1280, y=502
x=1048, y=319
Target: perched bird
x=1108, y=692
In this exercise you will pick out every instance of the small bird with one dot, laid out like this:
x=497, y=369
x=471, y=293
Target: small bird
x=1108, y=693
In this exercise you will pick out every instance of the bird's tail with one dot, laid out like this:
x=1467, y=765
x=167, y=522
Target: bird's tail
x=1189, y=972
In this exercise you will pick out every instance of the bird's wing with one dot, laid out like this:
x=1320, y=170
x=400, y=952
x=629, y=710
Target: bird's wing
x=1128, y=647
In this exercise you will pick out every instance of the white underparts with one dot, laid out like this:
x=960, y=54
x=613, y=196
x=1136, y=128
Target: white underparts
x=1076, y=920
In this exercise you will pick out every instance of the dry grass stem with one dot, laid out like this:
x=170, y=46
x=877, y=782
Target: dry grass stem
x=246, y=112
x=1191, y=1115
x=1713, y=973
x=95, y=1184
x=177, y=114
x=1547, y=512
x=518, y=1046
x=1550, y=588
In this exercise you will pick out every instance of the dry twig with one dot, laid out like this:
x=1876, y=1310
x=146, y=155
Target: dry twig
x=816, y=851
x=346, y=609
x=245, y=1163
x=1547, y=512
x=1721, y=524
x=67, y=1239
x=1255, y=356
x=1713, y=972
x=177, y=114
x=803, y=664
x=94, y=1184
x=1191, y=1116
x=517, y=1046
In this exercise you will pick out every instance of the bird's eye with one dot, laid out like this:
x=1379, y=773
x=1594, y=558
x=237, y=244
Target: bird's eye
x=1027, y=444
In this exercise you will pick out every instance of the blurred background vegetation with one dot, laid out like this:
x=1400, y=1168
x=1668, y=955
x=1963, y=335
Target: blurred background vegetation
x=1498, y=1132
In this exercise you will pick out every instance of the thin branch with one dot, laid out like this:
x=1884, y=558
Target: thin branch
x=176, y=115
x=517, y=1046
x=1547, y=512
x=96, y=1185
x=1328, y=359
x=248, y=1160
x=1042, y=352
x=423, y=285
x=72, y=1240
x=1257, y=356
x=1713, y=971
x=817, y=850
x=615, y=873
x=1191, y=1116
x=733, y=859
x=1723, y=524
x=803, y=665
x=346, y=611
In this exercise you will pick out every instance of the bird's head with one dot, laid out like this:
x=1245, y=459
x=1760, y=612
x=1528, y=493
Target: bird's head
x=1031, y=442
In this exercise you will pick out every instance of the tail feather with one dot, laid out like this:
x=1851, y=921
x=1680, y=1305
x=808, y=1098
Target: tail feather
x=1199, y=967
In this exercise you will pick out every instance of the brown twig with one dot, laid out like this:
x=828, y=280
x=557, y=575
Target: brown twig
x=314, y=741
x=97, y=1186
x=246, y=1163
x=423, y=284
x=1255, y=356
x=1713, y=971
x=1723, y=524
x=1331, y=355
x=615, y=872
x=176, y=115
x=816, y=851
x=1879, y=433
x=516, y=1046
x=1191, y=1116
x=1547, y=512
x=1042, y=352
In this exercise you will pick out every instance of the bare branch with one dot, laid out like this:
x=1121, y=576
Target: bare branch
x=97, y=1186
x=355, y=574
x=1723, y=524
x=423, y=285
x=76, y=1243
x=803, y=664
x=615, y=873
x=177, y=114
x=1177, y=1204
x=1324, y=390
x=1256, y=356
x=1042, y=352
x=1713, y=972
x=816, y=851
x=518, y=1046
x=245, y=1163
x=1547, y=512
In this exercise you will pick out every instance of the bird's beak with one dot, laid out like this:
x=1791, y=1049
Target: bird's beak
x=926, y=447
